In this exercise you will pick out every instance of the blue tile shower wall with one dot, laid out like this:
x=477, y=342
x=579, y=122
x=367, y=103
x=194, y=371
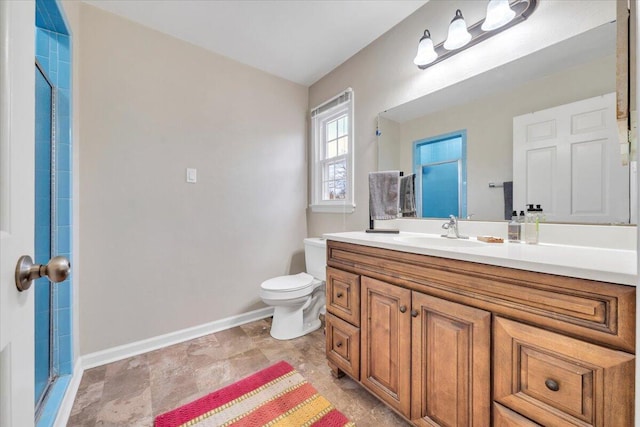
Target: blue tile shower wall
x=53, y=54
x=48, y=16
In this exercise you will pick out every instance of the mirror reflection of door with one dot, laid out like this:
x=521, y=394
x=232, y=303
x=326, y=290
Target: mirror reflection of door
x=440, y=165
x=567, y=159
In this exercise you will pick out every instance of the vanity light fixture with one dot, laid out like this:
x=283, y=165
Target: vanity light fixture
x=501, y=14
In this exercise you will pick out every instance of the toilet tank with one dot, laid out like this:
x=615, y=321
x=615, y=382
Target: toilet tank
x=315, y=257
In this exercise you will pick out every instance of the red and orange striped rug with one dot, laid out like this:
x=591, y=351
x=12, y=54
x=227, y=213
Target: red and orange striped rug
x=276, y=396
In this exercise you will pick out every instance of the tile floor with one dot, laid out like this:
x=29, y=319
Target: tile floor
x=133, y=391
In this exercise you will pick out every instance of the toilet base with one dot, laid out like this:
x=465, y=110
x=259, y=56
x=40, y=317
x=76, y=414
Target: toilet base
x=287, y=333
x=293, y=321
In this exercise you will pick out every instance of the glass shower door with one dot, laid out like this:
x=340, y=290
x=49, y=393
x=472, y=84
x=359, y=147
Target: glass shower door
x=44, y=220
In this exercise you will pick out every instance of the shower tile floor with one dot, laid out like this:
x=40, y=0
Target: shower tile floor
x=133, y=391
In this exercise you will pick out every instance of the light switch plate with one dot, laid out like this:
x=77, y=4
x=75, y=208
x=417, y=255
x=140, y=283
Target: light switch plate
x=192, y=175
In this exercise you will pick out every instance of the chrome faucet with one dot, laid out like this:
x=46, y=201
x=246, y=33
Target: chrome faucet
x=452, y=225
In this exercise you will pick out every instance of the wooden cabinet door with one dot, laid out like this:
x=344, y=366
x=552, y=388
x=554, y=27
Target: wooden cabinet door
x=386, y=347
x=451, y=347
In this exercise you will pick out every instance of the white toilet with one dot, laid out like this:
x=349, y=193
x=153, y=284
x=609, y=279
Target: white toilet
x=299, y=298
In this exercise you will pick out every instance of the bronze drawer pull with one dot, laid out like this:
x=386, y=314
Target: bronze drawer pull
x=403, y=308
x=552, y=385
x=414, y=313
x=339, y=295
x=339, y=344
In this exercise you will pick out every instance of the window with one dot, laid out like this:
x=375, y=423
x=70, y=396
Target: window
x=332, y=155
x=440, y=165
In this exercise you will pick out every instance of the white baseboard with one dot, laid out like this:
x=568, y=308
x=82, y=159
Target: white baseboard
x=120, y=352
x=114, y=354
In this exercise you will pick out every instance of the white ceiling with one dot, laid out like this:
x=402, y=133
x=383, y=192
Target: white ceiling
x=299, y=40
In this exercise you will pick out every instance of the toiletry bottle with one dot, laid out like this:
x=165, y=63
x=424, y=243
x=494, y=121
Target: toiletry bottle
x=541, y=218
x=521, y=217
x=531, y=226
x=514, y=228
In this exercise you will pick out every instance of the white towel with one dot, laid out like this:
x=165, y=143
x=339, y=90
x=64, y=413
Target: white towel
x=383, y=194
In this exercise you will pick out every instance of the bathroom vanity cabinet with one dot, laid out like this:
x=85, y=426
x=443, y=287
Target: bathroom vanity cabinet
x=447, y=342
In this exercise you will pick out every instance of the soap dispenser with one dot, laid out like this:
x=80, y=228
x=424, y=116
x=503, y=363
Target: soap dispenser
x=532, y=224
x=513, y=233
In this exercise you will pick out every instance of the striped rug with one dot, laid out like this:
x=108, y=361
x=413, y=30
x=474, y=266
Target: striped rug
x=276, y=396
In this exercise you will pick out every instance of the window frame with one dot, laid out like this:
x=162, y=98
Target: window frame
x=319, y=118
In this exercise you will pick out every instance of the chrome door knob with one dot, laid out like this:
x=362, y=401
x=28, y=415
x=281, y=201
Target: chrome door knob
x=57, y=269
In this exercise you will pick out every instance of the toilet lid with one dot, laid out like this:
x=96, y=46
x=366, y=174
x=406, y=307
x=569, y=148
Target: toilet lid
x=288, y=283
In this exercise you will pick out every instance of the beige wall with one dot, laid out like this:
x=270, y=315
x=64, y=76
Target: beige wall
x=382, y=75
x=489, y=123
x=158, y=254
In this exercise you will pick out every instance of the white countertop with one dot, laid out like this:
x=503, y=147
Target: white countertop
x=606, y=265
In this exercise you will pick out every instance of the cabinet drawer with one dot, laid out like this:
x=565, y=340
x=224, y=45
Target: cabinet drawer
x=556, y=380
x=343, y=345
x=503, y=417
x=343, y=295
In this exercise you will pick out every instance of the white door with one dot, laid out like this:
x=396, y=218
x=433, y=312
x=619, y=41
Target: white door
x=567, y=159
x=17, y=103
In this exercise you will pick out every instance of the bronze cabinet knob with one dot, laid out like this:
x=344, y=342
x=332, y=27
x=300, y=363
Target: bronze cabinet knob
x=552, y=384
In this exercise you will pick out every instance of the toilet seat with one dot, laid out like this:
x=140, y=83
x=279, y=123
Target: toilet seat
x=289, y=283
x=288, y=287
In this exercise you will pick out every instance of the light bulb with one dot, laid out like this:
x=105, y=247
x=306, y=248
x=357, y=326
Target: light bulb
x=458, y=35
x=426, y=53
x=499, y=13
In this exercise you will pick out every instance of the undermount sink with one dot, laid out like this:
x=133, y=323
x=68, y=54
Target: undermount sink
x=439, y=242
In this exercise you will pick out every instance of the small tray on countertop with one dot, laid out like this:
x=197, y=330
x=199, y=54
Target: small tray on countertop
x=490, y=239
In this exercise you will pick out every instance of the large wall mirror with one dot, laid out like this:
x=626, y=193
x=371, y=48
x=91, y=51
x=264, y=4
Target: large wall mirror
x=482, y=110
